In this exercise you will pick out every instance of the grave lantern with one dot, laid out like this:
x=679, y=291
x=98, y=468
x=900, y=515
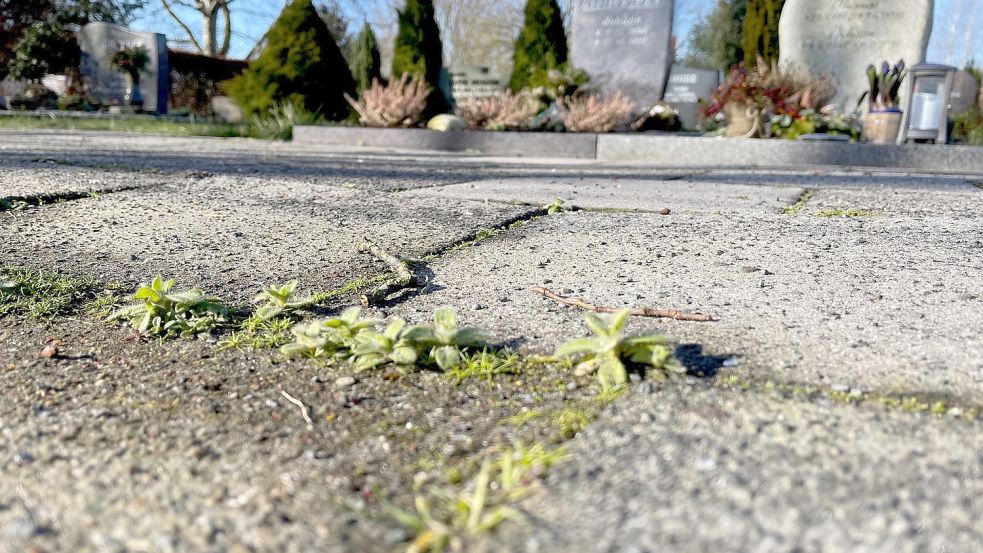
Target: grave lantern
x=926, y=103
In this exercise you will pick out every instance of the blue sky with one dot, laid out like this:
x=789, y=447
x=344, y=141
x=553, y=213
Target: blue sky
x=957, y=37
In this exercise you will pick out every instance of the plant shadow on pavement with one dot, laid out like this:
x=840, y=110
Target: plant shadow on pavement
x=698, y=363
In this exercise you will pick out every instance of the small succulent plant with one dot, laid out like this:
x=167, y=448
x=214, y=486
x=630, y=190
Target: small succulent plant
x=446, y=340
x=393, y=345
x=609, y=352
x=280, y=300
x=361, y=342
x=163, y=312
x=328, y=337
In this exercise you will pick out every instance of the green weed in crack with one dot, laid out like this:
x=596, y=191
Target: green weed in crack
x=366, y=346
x=444, y=519
x=39, y=294
x=160, y=311
x=486, y=365
x=556, y=206
x=280, y=301
x=609, y=352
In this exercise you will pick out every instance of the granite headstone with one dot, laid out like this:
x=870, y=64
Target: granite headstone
x=965, y=91
x=624, y=45
x=842, y=37
x=99, y=41
x=687, y=86
x=461, y=82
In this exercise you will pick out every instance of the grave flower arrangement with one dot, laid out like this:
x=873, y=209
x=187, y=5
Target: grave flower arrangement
x=752, y=100
x=132, y=61
x=884, y=86
x=882, y=123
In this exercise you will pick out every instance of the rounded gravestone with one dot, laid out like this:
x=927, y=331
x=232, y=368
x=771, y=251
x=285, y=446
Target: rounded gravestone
x=965, y=91
x=842, y=37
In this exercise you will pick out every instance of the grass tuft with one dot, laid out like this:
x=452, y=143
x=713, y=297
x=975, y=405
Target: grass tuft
x=41, y=295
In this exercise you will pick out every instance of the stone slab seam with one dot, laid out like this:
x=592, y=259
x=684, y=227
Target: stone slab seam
x=38, y=200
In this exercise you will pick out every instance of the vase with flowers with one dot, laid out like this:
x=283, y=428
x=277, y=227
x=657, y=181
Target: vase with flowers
x=882, y=123
x=132, y=61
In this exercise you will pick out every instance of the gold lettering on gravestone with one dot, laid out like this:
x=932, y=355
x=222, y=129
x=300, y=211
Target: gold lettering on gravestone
x=622, y=30
x=601, y=5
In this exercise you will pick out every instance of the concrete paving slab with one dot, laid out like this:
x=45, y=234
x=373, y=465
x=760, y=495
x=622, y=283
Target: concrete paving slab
x=913, y=205
x=843, y=178
x=716, y=470
x=229, y=236
x=46, y=181
x=624, y=194
x=889, y=304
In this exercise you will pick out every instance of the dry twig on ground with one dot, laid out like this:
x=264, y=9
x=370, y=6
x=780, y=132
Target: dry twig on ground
x=638, y=312
x=303, y=408
x=404, y=277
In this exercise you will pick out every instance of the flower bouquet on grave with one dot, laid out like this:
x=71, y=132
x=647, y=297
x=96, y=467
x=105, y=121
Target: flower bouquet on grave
x=132, y=61
x=883, y=120
x=742, y=101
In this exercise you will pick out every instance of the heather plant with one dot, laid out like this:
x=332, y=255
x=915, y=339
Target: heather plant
x=773, y=88
x=400, y=103
x=599, y=114
x=507, y=111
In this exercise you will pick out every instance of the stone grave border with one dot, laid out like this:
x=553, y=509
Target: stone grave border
x=668, y=149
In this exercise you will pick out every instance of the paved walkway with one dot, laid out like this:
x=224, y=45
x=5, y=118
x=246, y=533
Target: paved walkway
x=849, y=304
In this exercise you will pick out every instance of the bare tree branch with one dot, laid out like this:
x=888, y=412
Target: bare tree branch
x=191, y=36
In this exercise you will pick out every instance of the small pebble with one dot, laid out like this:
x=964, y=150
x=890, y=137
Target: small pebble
x=665, y=211
x=20, y=528
x=646, y=388
x=23, y=458
x=705, y=464
x=732, y=362
x=396, y=536
x=841, y=388
x=344, y=382
x=49, y=351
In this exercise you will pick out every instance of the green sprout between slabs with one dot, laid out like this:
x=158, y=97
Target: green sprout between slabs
x=41, y=295
x=163, y=312
x=443, y=520
x=609, y=352
x=367, y=346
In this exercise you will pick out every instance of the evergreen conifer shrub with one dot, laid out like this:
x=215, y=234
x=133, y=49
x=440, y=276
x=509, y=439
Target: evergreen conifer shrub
x=760, y=30
x=419, y=51
x=301, y=64
x=541, y=46
x=365, y=61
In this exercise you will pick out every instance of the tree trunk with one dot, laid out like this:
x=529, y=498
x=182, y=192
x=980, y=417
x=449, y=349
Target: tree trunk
x=209, y=28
